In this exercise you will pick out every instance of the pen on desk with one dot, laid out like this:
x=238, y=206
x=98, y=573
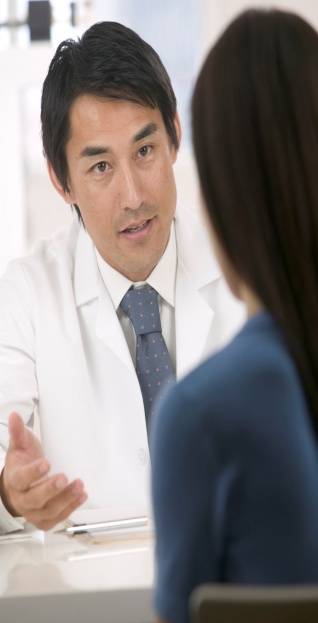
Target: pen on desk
x=107, y=526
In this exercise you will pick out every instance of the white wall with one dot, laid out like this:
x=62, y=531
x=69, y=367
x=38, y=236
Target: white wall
x=216, y=14
x=20, y=70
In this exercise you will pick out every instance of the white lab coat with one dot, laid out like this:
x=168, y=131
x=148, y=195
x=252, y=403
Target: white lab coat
x=63, y=355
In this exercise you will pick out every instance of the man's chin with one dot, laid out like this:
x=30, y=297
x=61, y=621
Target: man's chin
x=138, y=270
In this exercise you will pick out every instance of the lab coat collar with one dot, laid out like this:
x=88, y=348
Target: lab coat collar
x=90, y=268
x=162, y=278
x=196, y=268
x=198, y=264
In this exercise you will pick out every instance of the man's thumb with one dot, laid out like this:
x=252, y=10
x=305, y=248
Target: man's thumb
x=17, y=432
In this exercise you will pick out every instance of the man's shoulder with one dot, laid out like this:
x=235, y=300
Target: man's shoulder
x=59, y=249
x=48, y=268
x=196, y=258
x=60, y=246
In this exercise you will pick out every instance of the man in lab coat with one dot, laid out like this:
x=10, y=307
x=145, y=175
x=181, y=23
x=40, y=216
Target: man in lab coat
x=67, y=349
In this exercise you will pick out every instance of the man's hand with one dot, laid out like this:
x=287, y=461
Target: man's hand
x=25, y=488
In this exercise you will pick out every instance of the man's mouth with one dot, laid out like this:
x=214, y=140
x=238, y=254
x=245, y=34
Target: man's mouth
x=135, y=228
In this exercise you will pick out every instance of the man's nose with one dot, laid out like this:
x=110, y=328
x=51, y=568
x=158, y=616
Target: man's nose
x=129, y=191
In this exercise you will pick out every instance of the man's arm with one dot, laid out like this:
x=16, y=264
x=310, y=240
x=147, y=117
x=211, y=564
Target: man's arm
x=26, y=489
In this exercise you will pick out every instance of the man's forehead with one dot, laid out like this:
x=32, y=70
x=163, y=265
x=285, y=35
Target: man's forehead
x=91, y=116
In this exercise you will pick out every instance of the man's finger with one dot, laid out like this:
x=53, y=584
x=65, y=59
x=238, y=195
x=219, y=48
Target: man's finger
x=70, y=495
x=46, y=523
x=71, y=508
x=52, y=495
x=24, y=477
x=17, y=432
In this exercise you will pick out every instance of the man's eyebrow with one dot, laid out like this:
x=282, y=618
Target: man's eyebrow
x=99, y=150
x=150, y=128
x=94, y=150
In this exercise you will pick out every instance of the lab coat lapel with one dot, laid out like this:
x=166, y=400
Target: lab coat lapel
x=89, y=288
x=196, y=271
x=193, y=317
x=108, y=328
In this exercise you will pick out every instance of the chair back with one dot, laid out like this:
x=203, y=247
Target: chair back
x=225, y=603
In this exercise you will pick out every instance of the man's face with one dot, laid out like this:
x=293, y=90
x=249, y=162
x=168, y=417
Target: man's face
x=120, y=174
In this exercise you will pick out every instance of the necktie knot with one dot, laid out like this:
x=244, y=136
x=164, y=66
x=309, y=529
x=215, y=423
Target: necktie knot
x=141, y=307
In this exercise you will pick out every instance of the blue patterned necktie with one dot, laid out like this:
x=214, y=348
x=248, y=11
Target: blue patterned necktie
x=153, y=364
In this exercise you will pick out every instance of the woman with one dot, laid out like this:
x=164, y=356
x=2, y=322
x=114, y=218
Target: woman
x=235, y=469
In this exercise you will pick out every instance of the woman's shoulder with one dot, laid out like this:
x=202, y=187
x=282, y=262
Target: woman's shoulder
x=257, y=351
x=254, y=370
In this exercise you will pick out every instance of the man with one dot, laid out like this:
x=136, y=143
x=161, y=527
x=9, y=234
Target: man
x=70, y=348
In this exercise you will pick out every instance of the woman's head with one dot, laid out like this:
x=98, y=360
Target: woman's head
x=255, y=134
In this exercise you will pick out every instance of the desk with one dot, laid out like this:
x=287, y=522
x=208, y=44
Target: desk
x=54, y=578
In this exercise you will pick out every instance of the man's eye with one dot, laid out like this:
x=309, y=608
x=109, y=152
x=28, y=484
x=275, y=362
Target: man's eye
x=145, y=151
x=101, y=167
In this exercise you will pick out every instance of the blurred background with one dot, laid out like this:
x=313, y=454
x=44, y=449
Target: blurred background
x=180, y=30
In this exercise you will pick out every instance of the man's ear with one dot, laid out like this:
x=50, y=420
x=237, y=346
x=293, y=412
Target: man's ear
x=66, y=195
x=177, y=125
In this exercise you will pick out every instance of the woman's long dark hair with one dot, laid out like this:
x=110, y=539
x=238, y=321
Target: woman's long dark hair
x=255, y=134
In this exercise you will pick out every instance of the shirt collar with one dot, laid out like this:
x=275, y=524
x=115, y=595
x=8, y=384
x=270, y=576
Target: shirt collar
x=162, y=278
